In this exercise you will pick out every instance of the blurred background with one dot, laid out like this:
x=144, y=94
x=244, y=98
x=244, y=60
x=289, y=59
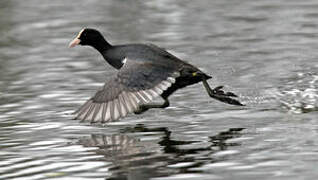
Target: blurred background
x=265, y=51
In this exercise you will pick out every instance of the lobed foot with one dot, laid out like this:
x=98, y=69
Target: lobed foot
x=226, y=97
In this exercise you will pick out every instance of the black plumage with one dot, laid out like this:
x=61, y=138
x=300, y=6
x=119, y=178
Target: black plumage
x=145, y=72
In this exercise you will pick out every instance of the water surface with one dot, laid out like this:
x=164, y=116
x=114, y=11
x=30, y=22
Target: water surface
x=265, y=51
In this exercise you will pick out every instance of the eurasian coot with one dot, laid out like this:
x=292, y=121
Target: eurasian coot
x=145, y=72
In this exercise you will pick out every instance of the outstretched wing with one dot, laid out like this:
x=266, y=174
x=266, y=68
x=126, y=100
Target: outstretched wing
x=138, y=82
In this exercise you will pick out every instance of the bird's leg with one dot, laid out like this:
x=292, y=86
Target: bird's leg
x=146, y=107
x=218, y=94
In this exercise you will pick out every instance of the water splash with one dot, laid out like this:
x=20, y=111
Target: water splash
x=302, y=96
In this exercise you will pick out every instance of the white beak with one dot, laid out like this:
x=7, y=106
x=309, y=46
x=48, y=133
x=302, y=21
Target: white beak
x=75, y=42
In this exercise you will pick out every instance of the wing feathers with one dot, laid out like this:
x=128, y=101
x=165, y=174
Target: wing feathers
x=125, y=102
x=104, y=111
x=84, y=110
x=158, y=90
x=116, y=110
x=112, y=109
x=108, y=112
x=90, y=110
x=96, y=111
x=128, y=103
x=123, y=106
x=134, y=100
x=171, y=80
x=145, y=95
x=85, y=105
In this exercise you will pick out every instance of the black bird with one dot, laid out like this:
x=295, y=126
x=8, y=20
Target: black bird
x=145, y=72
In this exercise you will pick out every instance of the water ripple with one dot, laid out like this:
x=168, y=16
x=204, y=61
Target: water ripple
x=305, y=97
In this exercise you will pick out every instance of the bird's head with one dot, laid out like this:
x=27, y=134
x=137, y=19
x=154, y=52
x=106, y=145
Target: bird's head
x=87, y=36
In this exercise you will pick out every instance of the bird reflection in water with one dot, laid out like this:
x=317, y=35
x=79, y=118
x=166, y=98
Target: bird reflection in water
x=132, y=158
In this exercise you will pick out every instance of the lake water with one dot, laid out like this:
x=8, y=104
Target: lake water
x=265, y=51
